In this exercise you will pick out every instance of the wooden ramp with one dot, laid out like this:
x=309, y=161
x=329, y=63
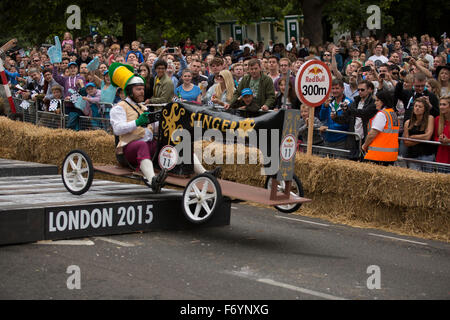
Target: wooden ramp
x=16, y=168
x=229, y=189
x=244, y=192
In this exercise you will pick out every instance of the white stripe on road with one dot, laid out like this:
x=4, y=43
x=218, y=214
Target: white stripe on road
x=119, y=243
x=302, y=290
x=250, y=275
x=305, y=221
x=67, y=242
x=235, y=208
x=399, y=239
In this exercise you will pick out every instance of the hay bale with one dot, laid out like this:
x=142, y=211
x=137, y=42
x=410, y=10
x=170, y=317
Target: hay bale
x=361, y=194
x=45, y=145
x=391, y=198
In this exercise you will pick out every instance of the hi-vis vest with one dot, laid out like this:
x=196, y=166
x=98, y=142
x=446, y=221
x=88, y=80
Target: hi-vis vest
x=132, y=114
x=385, y=145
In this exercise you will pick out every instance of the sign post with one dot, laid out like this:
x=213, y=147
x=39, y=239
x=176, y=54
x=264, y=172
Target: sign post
x=313, y=87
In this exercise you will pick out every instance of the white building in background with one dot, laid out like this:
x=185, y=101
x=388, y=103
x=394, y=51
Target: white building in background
x=264, y=30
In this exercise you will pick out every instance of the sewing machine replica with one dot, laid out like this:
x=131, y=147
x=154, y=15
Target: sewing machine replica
x=203, y=193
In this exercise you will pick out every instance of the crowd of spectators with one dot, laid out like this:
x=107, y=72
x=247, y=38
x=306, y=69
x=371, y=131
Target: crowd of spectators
x=414, y=71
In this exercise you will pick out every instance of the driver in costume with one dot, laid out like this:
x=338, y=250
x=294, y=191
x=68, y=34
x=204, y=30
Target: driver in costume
x=130, y=122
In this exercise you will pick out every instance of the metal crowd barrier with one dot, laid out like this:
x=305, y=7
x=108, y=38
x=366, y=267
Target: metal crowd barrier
x=29, y=114
x=325, y=151
x=423, y=165
x=54, y=120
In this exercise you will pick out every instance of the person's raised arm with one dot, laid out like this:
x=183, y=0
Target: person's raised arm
x=7, y=46
x=421, y=68
x=334, y=68
x=58, y=78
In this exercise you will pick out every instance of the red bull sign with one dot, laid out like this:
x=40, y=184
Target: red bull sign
x=313, y=83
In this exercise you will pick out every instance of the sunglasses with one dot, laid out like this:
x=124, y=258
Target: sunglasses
x=327, y=54
x=361, y=90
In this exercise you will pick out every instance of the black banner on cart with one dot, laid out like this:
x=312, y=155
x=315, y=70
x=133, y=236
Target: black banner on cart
x=266, y=131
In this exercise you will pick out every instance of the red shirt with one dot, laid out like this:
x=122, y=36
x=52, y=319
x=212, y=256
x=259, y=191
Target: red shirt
x=443, y=152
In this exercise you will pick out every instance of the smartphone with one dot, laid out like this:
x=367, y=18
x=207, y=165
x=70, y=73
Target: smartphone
x=366, y=69
x=171, y=50
x=406, y=59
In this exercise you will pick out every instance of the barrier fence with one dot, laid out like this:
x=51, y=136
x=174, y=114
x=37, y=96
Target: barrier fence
x=29, y=111
x=417, y=164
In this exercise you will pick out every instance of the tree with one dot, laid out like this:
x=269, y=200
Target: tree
x=180, y=17
x=312, y=23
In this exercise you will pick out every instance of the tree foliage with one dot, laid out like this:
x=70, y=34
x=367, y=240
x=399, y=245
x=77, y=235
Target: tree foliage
x=412, y=16
x=34, y=22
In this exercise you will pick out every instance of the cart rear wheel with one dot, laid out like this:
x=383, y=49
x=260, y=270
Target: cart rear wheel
x=296, y=189
x=201, y=198
x=77, y=172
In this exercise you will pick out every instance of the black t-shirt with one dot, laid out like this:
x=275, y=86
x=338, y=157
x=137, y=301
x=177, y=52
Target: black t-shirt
x=419, y=149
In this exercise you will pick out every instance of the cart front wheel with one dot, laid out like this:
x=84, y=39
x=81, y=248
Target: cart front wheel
x=77, y=172
x=201, y=198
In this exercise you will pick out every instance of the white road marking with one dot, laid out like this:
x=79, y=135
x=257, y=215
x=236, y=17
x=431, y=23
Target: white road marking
x=399, y=239
x=249, y=274
x=299, y=289
x=306, y=221
x=120, y=243
x=235, y=208
x=67, y=242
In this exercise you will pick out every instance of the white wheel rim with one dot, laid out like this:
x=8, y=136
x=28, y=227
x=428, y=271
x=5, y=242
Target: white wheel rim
x=281, y=187
x=199, y=199
x=76, y=172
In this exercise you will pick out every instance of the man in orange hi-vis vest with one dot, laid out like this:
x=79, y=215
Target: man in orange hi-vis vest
x=381, y=143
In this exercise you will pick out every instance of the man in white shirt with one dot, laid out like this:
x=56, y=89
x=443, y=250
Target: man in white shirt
x=130, y=122
x=424, y=54
x=292, y=44
x=378, y=57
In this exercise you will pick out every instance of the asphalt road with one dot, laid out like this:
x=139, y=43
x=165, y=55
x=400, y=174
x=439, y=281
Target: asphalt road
x=262, y=255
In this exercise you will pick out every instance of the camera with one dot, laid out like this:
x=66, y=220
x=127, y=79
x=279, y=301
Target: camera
x=406, y=59
x=171, y=50
x=403, y=73
x=382, y=75
x=366, y=69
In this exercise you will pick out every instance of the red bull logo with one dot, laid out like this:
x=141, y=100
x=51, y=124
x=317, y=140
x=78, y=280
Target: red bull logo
x=315, y=71
x=316, y=75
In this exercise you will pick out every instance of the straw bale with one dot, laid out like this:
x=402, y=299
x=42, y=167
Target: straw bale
x=45, y=145
x=397, y=199
x=392, y=198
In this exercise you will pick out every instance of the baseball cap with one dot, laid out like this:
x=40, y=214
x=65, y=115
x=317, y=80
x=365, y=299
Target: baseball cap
x=246, y=92
x=90, y=84
x=72, y=64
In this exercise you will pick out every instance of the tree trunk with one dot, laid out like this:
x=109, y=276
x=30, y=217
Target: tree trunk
x=128, y=18
x=312, y=25
x=129, y=30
